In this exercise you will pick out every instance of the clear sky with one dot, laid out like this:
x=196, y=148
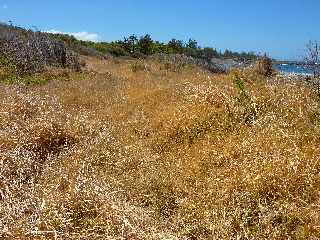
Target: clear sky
x=279, y=27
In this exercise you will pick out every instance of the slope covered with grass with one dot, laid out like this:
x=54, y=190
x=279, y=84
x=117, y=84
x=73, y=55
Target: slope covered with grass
x=140, y=150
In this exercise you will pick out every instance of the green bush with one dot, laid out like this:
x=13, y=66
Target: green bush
x=137, y=46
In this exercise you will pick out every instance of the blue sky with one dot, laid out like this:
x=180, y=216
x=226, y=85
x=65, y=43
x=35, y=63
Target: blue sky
x=279, y=27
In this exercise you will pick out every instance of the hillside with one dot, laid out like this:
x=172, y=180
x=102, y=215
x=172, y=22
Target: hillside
x=157, y=149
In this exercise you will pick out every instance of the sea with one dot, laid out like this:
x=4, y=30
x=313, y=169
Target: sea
x=292, y=69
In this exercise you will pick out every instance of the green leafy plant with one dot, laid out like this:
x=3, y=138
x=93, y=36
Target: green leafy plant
x=245, y=101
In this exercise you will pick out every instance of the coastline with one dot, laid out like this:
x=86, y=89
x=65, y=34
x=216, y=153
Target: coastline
x=296, y=79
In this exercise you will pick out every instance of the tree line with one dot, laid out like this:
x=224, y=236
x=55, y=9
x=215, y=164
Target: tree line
x=144, y=45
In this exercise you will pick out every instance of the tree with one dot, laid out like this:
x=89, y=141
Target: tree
x=145, y=44
x=176, y=45
x=193, y=44
x=130, y=43
x=228, y=54
x=312, y=59
x=209, y=53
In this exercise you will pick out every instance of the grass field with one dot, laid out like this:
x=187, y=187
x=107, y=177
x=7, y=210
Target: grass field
x=139, y=150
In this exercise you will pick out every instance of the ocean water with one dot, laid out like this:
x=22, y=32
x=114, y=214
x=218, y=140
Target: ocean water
x=292, y=69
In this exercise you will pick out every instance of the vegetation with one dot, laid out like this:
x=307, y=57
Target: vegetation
x=145, y=45
x=157, y=154
x=264, y=66
x=312, y=60
x=26, y=52
x=159, y=148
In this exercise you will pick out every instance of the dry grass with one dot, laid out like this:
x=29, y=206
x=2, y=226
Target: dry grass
x=159, y=154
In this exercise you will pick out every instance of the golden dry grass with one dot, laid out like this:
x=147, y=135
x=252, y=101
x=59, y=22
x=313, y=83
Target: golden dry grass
x=149, y=153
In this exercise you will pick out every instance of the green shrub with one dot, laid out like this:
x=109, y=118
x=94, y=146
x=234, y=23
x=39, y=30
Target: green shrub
x=117, y=51
x=248, y=108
